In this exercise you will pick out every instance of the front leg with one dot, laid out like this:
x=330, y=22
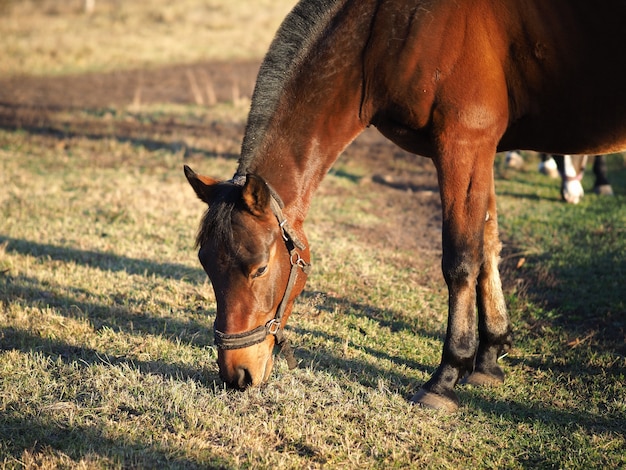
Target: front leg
x=571, y=187
x=465, y=183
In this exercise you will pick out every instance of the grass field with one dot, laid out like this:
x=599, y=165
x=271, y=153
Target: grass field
x=106, y=354
x=51, y=37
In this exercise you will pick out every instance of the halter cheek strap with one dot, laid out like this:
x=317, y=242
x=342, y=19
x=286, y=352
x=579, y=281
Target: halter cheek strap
x=249, y=338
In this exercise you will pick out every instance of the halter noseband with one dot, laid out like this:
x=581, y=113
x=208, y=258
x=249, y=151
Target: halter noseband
x=273, y=327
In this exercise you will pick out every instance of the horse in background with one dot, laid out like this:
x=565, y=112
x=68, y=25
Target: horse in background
x=453, y=80
x=571, y=169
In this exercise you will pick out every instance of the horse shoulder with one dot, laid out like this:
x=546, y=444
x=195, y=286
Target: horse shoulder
x=443, y=66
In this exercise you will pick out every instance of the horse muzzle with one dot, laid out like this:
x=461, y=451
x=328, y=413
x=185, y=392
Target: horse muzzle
x=246, y=367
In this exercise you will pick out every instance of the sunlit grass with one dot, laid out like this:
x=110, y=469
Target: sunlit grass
x=53, y=37
x=106, y=354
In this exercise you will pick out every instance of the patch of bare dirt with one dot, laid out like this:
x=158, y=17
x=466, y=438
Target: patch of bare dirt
x=202, y=83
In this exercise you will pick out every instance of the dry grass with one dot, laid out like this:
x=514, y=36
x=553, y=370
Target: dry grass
x=57, y=37
x=106, y=356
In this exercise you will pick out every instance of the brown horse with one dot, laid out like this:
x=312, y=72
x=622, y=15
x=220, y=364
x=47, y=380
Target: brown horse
x=453, y=80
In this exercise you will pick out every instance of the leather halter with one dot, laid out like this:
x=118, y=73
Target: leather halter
x=273, y=327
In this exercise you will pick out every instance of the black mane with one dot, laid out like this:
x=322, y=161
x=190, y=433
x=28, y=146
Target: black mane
x=294, y=39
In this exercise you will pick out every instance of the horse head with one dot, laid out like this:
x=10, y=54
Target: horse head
x=253, y=259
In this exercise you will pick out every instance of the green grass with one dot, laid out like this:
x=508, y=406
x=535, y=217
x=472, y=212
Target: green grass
x=577, y=253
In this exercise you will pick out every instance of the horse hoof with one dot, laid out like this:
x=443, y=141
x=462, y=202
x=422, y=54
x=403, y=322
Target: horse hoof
x=604, y=190
x=481, y=379
x=435, y=401
x=572, y=192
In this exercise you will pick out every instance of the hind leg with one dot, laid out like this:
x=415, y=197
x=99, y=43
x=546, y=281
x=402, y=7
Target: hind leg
x=602, y=185
x=494, y=329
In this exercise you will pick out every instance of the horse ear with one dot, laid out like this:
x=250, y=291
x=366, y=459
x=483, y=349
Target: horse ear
x=202, y=185
x=256, y=195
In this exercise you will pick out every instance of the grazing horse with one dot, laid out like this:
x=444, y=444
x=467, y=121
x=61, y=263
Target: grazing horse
x=452, y=80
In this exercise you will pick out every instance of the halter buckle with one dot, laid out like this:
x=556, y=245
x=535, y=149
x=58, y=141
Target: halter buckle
x=272, y=327
x=283, y=230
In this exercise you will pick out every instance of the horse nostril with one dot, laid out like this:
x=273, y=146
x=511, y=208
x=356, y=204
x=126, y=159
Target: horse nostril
x=244, y=379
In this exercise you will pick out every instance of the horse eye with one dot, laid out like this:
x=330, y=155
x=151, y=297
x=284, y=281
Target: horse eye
x=259, y=272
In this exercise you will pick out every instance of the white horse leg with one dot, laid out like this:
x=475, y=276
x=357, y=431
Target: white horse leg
x=571, y=189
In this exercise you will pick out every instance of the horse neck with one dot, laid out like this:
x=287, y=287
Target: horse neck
x=316, y=115
x=303, y=144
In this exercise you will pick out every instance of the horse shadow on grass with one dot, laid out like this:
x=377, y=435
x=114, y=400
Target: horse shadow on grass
x=33, y=293
x=118, y=317
x=70, y=300
x=15, y=339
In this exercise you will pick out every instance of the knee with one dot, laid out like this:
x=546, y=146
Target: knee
x=460, y=267
x=461, y=349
